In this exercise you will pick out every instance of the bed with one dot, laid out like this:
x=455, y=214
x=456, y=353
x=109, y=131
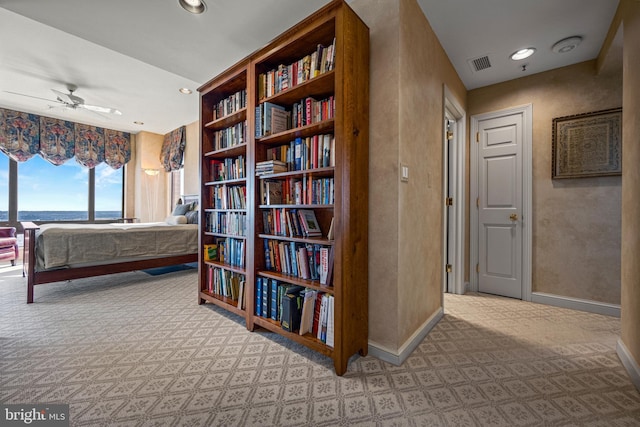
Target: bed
x=58, y=252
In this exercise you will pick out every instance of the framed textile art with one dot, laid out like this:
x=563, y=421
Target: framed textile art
x=587, y=145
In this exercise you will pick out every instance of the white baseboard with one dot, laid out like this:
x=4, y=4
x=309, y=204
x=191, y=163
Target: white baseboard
x=576, y=304
x=629, y=363
x=397, y=358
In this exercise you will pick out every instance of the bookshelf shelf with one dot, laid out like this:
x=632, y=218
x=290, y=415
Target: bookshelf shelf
x=228, y=120
x=325, y=126
x=324, y=58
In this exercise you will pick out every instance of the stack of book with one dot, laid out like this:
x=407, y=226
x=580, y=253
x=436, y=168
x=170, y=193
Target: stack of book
x=270, y=166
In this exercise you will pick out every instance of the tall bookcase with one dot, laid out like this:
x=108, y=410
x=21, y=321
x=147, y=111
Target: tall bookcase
x=317, y=72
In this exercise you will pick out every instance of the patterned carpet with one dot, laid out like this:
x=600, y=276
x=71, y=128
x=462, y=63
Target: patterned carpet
x=136, y=350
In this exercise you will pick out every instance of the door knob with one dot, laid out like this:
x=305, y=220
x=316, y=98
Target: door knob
x=513, y=217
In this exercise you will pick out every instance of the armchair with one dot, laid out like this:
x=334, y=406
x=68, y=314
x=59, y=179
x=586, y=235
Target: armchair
x=8, y=244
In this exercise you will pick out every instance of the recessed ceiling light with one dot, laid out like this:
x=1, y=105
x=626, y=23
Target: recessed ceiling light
x=193, y=6
x=138, y=123
x=522, y=53
x=185, y=90
x=566, y=45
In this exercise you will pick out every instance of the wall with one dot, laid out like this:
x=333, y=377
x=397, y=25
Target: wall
x=408, y=73
x=152, y=189
x=576, y=222
x=630, y=11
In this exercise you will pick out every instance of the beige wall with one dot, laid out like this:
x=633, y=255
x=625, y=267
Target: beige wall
x=576, y=222
x=630, y=11
x=408, y=73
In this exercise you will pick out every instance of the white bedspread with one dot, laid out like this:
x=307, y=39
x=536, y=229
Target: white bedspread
x=71, y=245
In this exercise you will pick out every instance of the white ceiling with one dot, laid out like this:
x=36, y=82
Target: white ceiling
x=134, y=55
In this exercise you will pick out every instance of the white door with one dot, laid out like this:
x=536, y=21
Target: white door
x=500, y=141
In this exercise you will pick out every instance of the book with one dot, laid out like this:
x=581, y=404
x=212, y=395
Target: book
x=316, y=314
x=330, y=233
x=241, y=295
x=267, y=111
x=330, y=324
x=259, y=296
x=273, y=296
x=309, y=222
x=211, y=252
x=272, y=192
x=306, y=318
x=266, y=298
x=291, y=309
x=324, y=265
x=279, y=120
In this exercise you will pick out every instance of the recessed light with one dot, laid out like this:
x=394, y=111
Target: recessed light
x=522, y=53
x=185, y=90
x=138, y=123
x=566, y=45
x=193, y=6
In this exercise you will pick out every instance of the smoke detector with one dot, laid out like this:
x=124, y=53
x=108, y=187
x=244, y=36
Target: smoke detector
x=566, y=45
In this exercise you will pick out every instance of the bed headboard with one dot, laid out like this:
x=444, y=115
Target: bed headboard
x=189, y=198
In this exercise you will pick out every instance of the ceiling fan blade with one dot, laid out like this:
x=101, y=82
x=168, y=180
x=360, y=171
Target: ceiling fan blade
x=31, y=96
x=99, y=109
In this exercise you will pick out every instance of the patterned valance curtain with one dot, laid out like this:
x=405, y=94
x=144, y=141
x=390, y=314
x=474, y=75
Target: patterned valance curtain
x=173, y=149
x=23, y=135
x=19, y=134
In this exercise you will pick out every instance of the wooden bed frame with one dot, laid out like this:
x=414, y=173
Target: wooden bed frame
x=42, y=277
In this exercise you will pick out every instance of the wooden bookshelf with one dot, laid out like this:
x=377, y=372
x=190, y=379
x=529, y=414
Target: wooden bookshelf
x=343, y=184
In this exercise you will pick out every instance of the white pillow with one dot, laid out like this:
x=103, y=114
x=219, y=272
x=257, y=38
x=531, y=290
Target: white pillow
x=176, y=219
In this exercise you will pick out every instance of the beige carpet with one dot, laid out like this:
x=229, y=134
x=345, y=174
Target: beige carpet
x=137, y=350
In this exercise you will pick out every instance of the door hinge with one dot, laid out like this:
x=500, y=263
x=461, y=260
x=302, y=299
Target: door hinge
x=448, y=201
x=449, y=135
x=477, y=136
x=477, y=202
x=477, y=268
x=449, y=268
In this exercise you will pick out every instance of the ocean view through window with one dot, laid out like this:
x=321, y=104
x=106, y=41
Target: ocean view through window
x=48, y=193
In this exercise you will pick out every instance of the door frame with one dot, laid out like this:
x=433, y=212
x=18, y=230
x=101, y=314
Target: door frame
x=456, y=227
x=527, y=184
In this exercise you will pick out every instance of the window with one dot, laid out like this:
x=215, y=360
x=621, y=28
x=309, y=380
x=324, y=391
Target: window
x=59, y=193
x=109, y=194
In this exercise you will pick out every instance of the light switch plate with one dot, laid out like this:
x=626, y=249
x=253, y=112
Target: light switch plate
x=404, y=172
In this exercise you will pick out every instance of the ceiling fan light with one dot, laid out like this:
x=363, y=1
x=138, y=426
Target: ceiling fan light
x=193, y=6
x=522, y=53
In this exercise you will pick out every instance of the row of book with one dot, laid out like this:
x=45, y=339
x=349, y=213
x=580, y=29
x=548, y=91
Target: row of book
x=297, y=191
x=229, y=168
x=230, y=105
x=290, y=222
x=230, y=137
x=287, y=76
x=298, y=309
x=229, y=197
x=308, y=111
x=231, y=223
x=312, y=152
x=226, y=250
x=227, y=284
x=303, y=260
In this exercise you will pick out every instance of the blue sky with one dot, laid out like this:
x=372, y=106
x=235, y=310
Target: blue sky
x=44, y=187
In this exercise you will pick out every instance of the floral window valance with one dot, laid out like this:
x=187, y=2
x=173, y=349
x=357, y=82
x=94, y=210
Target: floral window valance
x=22, y=135
x=173, y=149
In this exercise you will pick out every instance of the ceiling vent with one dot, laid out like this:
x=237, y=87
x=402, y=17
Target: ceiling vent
x=480, y=63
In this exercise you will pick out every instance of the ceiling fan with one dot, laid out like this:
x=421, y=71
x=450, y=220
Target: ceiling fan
x=71, y=101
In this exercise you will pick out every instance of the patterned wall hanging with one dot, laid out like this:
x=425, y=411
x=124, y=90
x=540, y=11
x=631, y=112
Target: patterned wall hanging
x=89, y=145
x=117, y=148
x=173, y=149
x=19, y=134
x=57, y=143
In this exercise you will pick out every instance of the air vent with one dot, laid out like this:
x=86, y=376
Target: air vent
x=480, y=63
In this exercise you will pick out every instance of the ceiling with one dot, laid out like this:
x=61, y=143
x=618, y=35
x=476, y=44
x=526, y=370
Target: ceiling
x=134, y=55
